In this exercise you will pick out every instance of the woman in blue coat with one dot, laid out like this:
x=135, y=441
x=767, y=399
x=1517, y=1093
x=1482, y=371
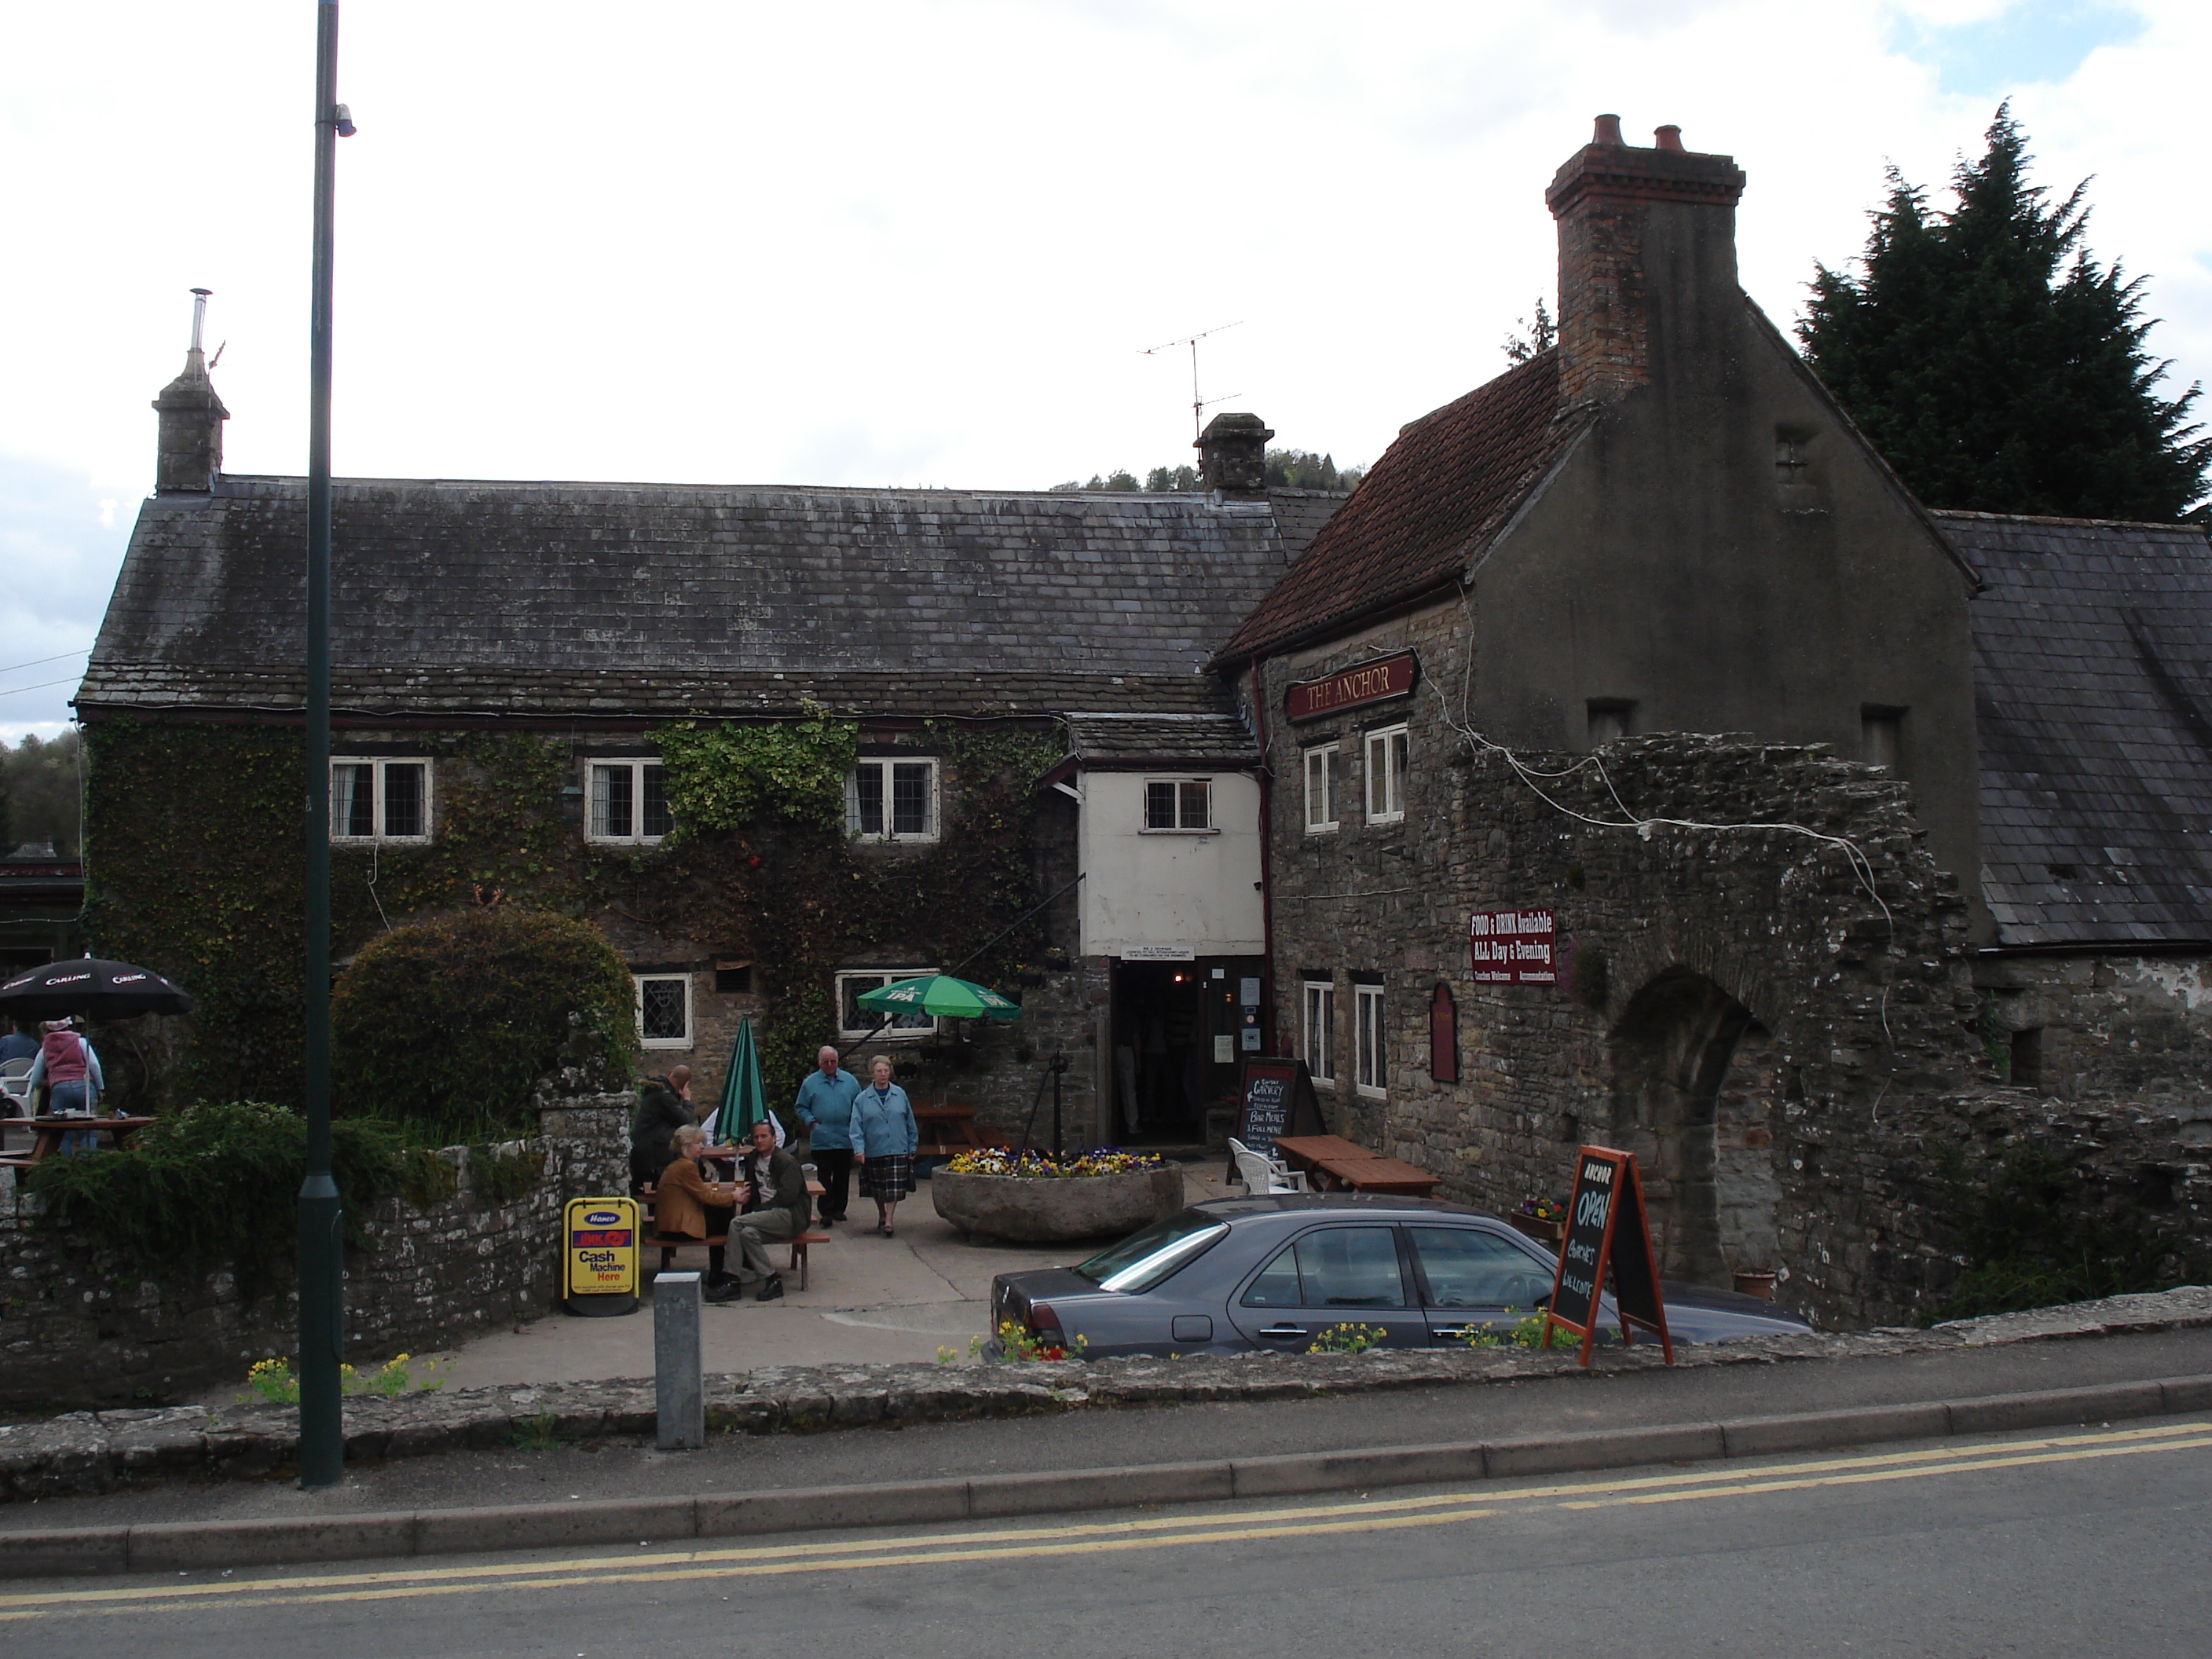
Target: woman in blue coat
x=883, y=1141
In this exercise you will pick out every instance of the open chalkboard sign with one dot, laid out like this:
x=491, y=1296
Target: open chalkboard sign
x=1275, y=1097
x=1607, y=1233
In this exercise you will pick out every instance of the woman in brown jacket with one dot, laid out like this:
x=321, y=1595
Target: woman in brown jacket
x=687, y=1204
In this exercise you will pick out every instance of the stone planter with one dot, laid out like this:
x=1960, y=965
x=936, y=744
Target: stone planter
x=1047, y=1212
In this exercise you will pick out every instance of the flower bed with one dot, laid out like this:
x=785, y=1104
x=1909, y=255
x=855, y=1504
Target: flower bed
x=992, y=1194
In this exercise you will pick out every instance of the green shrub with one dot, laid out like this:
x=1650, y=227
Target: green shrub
x=446, y=1025
x=214, y=1186
x=2035, y=1236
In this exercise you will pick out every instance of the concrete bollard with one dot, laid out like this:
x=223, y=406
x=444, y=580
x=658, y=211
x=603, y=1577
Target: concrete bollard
x=679, y=1386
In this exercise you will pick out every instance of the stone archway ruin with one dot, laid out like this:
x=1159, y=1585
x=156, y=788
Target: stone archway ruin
x=1694, y=1094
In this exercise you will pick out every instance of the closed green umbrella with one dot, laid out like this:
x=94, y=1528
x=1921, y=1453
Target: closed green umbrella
x=940, y=995
x=744, y=1102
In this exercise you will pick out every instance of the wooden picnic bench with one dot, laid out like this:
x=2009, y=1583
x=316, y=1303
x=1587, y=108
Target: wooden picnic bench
x=47, y=1133
x=669, y=1243
x=1333, y=1163
x=948, y=1119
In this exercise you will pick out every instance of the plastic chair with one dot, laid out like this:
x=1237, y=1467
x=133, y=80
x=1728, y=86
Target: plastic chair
x=15, y=1086
x=1264, y=1175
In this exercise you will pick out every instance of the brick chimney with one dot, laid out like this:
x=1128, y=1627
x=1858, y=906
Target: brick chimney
x=188, y=454
x=1233, y=456
x=1647, y=261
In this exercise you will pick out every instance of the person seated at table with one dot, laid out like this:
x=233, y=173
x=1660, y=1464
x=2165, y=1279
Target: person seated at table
x=775, y=1208
x=71, y=1074
x=686, y=1205
x=663, y=1106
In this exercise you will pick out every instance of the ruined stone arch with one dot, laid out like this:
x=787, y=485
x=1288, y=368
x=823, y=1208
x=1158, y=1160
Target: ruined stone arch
x=1694, y=1096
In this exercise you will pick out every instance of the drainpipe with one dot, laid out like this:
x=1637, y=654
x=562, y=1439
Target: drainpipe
x=1267, y=859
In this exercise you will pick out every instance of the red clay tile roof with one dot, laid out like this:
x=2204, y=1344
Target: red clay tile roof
x=1448, y=484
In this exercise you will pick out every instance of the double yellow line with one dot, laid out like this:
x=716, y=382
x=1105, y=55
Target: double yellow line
x=1241, y=1525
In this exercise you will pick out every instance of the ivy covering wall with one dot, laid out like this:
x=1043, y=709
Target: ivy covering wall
x=196, y=868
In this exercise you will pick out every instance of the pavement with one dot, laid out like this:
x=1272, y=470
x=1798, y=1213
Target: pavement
x=869, y=1300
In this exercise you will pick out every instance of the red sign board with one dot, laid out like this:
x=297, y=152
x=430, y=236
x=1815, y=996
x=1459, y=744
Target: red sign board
x=1371, y=682
x=1513, y=947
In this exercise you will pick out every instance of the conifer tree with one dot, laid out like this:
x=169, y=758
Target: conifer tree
x=1994, y=363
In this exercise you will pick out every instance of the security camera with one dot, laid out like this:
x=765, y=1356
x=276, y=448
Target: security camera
x=344, y=120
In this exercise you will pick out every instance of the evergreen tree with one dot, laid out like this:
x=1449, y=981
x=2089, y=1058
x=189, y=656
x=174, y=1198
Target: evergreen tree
x=1994, y=363
x=1532, y=339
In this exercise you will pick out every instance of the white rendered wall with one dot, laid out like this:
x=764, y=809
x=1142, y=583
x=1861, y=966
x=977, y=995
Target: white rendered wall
x=1169, y=888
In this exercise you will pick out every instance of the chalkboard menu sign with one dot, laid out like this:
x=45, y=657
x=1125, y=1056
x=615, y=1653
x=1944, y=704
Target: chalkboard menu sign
x=1275, y=1097
x=1607, y=1235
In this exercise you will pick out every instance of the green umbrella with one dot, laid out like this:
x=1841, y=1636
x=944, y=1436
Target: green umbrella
x=744, y=1102
x=940, y=995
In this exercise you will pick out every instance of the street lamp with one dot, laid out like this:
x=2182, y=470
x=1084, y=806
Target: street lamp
x=322, y=1221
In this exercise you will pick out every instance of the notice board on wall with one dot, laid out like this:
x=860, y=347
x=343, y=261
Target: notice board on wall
x=1608, y=1235
x=1275, y=1097
x=1513, y=947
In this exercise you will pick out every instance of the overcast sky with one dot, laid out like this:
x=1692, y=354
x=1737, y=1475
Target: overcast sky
x=917, y=243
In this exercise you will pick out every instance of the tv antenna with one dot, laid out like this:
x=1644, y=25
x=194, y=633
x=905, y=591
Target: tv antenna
x=1198, y=404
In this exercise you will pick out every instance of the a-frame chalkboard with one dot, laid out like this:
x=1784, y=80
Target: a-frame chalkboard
x=1275, y=1097
x=1606, y=1232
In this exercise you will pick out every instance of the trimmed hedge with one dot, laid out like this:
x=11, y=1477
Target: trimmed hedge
x=446, y=1025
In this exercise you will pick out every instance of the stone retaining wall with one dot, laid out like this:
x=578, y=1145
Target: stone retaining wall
x=89, y=1451
x=77, y=1327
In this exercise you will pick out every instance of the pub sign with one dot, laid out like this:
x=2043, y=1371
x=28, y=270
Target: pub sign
x=1371, y=682
x=1513, y=947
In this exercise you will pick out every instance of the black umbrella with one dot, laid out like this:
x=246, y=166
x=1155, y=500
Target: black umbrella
x=85, y=985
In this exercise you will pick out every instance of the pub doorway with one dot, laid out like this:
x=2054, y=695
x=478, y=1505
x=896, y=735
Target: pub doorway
x=1177, y=1042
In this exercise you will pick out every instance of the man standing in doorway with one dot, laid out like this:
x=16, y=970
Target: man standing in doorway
x=825, y=1106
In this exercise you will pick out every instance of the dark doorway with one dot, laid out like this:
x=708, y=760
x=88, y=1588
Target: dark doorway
x=1673, y=1050
x=1177, y=1042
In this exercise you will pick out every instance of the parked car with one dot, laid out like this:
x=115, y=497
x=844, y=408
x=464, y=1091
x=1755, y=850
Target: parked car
x=1274, y=1271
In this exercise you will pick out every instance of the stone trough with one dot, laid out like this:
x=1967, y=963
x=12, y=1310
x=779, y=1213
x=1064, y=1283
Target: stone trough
x=1051, y=1211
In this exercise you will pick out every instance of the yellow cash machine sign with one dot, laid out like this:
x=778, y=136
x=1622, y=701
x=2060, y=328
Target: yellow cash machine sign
x=600, y=1247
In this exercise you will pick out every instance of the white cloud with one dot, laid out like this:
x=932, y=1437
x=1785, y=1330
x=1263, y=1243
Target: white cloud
x=926, y=242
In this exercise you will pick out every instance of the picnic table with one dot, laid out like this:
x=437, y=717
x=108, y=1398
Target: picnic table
x=1333, y=1163
x=937, y=1125
x=47, y=1134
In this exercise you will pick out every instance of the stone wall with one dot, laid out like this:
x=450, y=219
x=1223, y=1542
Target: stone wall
x=77, y=1328
x=2118, y=1028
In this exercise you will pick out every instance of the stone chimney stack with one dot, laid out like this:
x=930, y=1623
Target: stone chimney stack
x=188, y=456
x=1233, y=456
x=1647, y=262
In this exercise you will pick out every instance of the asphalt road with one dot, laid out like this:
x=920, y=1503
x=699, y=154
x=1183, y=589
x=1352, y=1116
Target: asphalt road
x=2022, y=1544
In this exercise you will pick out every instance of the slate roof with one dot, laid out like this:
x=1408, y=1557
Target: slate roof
x=569, y=599
x=1300, y=515
x=2092, y=659
x=1105, y=740
x=1425, y=510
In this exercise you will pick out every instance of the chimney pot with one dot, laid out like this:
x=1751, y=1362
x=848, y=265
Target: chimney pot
x=1669, y=136
x=1233, y=456
x=1608, y=130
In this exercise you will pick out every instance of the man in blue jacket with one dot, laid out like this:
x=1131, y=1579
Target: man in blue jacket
x=825, y=1106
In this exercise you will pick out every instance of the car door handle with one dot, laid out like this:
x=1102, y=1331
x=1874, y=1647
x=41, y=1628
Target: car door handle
x=1456, y=1332
x=1283, y=1330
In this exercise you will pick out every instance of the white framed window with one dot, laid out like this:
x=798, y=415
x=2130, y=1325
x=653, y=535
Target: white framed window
x=854, y=1022
x=1320, y=1000
x=379, y=800
x=892, y=799
x=1321, y=789
x=1387, y=752
x=1371, y=1073
x=1179, y=804
x=663, y=1010
x=626, y=801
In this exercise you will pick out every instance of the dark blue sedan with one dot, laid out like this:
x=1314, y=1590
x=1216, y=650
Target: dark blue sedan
x=1274, y=1272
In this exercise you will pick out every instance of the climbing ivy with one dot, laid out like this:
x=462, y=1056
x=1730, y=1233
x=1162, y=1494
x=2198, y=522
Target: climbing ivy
x=197, y=868
x=728, y=777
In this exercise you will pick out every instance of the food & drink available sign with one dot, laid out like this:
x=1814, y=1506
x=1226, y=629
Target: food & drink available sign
x=1513, y=947
x=599, y=1255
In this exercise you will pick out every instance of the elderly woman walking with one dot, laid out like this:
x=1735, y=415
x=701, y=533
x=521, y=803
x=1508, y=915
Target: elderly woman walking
x=883, y=1141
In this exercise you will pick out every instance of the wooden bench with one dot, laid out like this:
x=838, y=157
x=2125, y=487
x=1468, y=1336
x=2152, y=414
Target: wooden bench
x=671, y=1242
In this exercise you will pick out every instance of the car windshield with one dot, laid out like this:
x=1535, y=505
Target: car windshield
x=1144, y=1259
